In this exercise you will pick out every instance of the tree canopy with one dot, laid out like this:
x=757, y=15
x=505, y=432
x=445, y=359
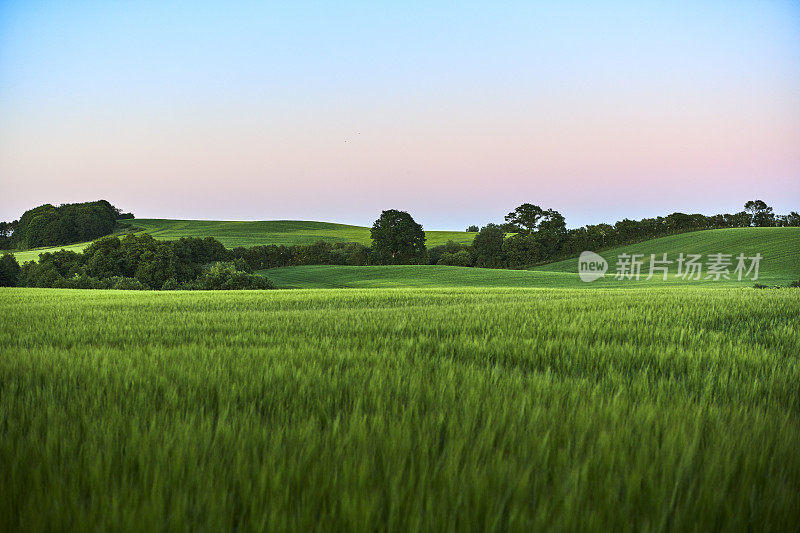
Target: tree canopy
x=48, y=225
x=397, y=238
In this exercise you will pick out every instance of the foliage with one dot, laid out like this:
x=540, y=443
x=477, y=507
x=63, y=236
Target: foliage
x=397, y=238
x=9, y=271
x=48, y=225
x=461, y=258
x=524, y=218
x=225, y=276
x=435, y=253
x=487, y=247
x=140, y=261
x=760, y=213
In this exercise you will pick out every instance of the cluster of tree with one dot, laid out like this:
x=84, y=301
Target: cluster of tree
x=136, y=262
x=532, y=235
x=48, y=225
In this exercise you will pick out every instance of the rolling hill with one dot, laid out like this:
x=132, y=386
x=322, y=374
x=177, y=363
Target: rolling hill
x=239, y=233
x=779, y=247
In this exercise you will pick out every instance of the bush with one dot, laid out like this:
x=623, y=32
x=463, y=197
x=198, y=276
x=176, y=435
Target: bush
x=450, y=247
x=522, y=250
x=9, y=271
x=48, y=225
x=460, y=258
x=488, y=247
x=225, y=276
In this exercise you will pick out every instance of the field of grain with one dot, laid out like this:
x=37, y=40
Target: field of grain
x=444, y=409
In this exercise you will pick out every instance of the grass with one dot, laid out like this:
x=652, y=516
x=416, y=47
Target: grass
x=235, y=233
x=779, y=247
x=400, y=409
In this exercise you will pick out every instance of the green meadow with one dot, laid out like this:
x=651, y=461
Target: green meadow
x=400, y=409
x=238, y=233
x=779, y=248
x=408, y=397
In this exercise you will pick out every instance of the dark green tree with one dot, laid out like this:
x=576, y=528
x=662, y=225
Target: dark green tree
x=487, y=247
x=761, y=214
x=9, y=271
x=525, y=218
x=522, y=250
x=397, y=238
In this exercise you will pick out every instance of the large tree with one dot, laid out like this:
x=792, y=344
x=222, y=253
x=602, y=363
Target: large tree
x=397, y=238
x=9, y=270
x=488, y=247
x=526, y=217
x=760, y=213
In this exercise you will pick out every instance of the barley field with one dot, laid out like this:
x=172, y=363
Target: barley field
x=396, y=409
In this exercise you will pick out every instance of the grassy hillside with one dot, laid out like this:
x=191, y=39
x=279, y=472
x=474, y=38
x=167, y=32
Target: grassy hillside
x=334, y=276
x=780, y=248
x=400, y=410
x=235, y=233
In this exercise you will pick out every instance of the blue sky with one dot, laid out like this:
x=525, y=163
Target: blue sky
x=456, y=112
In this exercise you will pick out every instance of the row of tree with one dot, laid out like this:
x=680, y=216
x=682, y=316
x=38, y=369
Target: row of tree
x=530, y=235
x=136, y=262
x=48, y=225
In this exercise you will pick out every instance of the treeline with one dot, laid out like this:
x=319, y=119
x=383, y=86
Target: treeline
x=529, y=236
x=48, y=225
x=136, y=262
x=532, y=235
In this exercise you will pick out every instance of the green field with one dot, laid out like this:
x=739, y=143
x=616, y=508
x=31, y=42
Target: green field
x=396, y=409
x=780, y=248
x=235, y=233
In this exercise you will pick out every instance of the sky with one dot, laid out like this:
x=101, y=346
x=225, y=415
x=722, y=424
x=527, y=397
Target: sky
x=456, y=112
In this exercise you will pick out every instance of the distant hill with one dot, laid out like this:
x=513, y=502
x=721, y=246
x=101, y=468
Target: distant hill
x=237, y=233
x=779, y=247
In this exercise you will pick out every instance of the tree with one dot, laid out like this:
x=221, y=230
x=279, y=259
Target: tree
x=472, y=229
x=760, y=213
x=48, y=225
x=526, y=217
x=9, y=270
x=397, y=238
x=551, y=233
x=522, y=250
x=487, y=247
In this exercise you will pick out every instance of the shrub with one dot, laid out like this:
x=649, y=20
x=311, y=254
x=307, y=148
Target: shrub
x=9, y=270
x=460, y=258
x=488, y=247
x=225, y=276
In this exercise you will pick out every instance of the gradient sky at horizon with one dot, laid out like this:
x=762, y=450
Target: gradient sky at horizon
x=455, y=112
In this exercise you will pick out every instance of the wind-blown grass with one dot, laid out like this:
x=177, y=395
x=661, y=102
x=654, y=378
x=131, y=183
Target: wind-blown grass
x=435, y=409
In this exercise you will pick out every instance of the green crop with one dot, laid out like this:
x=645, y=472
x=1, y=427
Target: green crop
x=398, y=409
